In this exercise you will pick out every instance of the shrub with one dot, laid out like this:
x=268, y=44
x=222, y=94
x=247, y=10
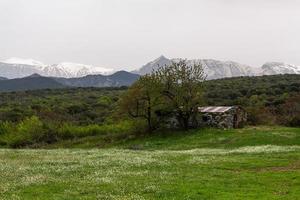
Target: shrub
x=34, y=133
x=69, y=131
x=29, y=131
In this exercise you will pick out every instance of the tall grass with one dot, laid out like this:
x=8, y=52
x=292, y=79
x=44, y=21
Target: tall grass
x=69, y=131
x=32, y=131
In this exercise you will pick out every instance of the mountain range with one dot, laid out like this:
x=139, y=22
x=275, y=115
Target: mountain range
x=215, y=69
x=18, y=68
x=19, y=74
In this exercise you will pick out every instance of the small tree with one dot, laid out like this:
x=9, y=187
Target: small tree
x=142, y=99
x=182, y=88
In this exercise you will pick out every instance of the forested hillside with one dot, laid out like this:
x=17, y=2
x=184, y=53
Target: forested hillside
x=94, y=105
x=268, y=99
x=51, y=115
x=80, y=106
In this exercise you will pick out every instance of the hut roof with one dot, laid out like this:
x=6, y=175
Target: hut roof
x=214, y=109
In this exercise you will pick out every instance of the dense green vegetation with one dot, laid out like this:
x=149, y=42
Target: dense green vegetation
x=36, y=118
x=251, y=163
x=267, y=99
x=80, y=106
x=265, y=90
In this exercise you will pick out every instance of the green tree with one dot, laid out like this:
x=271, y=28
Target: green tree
x=142, y=100
x=182, y=88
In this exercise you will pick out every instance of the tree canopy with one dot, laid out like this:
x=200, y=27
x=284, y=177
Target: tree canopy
x=177, y=88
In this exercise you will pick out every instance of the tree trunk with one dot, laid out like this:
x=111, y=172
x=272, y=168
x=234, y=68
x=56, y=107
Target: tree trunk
x=186, y=123
x=149, y=125
x=184, y=120
x=149, y=117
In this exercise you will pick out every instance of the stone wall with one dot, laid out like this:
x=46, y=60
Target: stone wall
x=233, y=118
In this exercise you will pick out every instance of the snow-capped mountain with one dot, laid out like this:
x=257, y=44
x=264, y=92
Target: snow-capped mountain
x=153, y=65
x=70, y=70
x=22, y=61
x=273, y=68
x=17, y=68
x=10, y=71
x=214, y=69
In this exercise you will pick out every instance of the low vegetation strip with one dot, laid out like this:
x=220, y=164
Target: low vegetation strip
x=250, y=172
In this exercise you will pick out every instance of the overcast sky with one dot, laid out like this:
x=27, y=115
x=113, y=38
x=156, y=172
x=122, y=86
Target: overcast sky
x=125, y=34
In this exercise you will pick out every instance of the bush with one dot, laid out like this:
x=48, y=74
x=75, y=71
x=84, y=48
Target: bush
x=68, y=131
x=33, y=132
x=28, y=132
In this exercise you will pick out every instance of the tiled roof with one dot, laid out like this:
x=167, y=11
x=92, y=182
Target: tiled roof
x=214, y=109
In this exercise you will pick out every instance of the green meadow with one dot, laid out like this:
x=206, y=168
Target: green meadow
x=249, y=163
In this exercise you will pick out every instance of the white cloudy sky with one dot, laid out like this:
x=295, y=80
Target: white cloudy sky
x=128, y=33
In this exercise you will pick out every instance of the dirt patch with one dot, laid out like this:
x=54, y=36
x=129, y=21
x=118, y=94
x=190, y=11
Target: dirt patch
x=291, y=167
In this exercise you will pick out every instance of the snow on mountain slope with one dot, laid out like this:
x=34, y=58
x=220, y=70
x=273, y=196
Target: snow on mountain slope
x=70, y=70
x=23, y=62
x=17, y=68
x=214, y=69
x=272, y=68
x=153, y=65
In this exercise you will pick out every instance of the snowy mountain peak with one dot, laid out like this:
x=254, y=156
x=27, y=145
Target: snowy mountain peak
x=77, y=67
x=162, y=57
x=72, y=66
x=21, y=61
x=153, y=65
x=69, y=69
x=214, y=69
x=272, y=68
x=17, y=68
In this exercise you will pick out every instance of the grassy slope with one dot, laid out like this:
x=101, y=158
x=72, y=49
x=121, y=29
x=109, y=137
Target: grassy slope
x=253, y=163
x=214, y=138
x=203, y=138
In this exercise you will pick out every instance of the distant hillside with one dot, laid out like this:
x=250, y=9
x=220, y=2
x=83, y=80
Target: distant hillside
x=247, y=91
x=35, y=81
x=29, y=83
x=121, y=78
x=2, y=78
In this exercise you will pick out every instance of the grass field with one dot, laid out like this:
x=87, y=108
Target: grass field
x=251, y=163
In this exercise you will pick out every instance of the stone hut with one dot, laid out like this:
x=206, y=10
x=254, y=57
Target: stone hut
x=222, y=116
x=210, y=116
